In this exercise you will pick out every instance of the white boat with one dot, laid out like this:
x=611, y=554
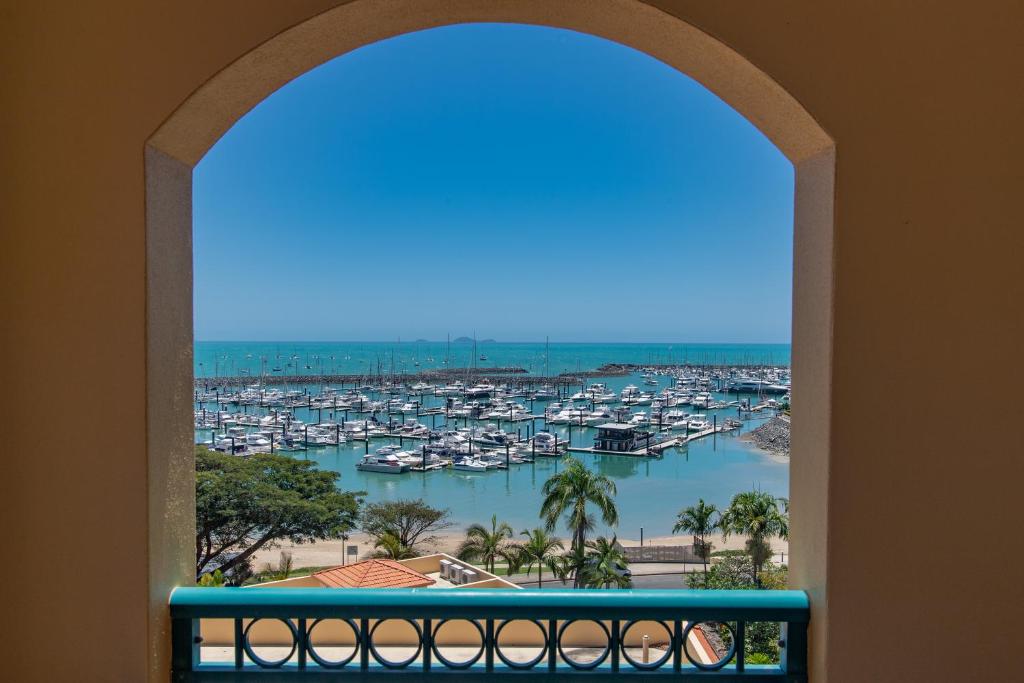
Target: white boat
x=469, y=464
x=387, y=464
x=698, y=423
x=545, y=394
x=599, y=416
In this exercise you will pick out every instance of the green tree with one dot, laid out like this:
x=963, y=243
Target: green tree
x=570, y=491
x=486, y=546
x=214, y=579
x=736, y=572
x=390, y=547
x=604, y=565
x=412, y=522
x=700, y=521
x=539, y=549
x=756, y=515
x=245, y=504
x=567, y=565
x=284, y=568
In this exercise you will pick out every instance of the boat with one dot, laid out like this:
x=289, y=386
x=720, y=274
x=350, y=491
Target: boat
x=386, y=464
x=598, y=416
x=545, y=394
x=698, y=423
x=469, y=464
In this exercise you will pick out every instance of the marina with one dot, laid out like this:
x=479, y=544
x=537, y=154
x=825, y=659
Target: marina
x=490, y=442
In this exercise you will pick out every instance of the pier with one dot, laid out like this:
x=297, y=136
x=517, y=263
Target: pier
x=657, y=447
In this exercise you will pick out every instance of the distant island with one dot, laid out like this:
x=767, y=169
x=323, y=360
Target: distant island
x=466, y=340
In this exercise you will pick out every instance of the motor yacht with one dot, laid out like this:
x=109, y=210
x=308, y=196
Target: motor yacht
x=386, y=464
x=469, y=464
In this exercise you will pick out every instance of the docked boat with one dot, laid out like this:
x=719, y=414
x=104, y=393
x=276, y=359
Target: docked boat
x=598, y=416
x=386, y=464
x=698, y=423
x=469, y=464
x=545, y=394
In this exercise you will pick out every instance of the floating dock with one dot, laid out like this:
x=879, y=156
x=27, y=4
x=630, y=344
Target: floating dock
x=659, y=446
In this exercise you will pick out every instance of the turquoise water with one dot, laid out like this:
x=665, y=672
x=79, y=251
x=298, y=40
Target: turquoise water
x=650, y=490
x=311, y=358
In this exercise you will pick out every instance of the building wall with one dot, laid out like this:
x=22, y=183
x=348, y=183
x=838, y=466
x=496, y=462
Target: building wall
x=923, y=102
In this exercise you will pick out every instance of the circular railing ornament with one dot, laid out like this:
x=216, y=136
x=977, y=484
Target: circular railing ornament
x=716, y=665
x=648, y=666
x=512, y=664
x=584, y=666
x=320, y=659
x=458, y=665
x=405, y=662
x=269, y=663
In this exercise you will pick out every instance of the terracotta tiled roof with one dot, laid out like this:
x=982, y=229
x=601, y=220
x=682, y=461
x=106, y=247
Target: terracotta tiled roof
x=372, y=574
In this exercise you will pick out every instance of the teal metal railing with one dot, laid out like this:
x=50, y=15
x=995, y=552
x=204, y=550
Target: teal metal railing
x=552, y=611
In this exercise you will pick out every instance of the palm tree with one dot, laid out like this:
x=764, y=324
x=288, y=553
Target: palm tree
x=700, y=521
x=604, y=565
x=539, y=549
x=570, y=491
x=390, y=547
x=486, y=546
x=567, y=565
x=756, y=514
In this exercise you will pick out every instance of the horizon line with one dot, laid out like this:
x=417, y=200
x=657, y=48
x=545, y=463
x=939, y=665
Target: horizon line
x=487, y=339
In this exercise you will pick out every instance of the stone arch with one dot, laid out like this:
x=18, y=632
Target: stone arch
x=195, y=126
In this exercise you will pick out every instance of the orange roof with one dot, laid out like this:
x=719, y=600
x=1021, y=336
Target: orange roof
x=372, y=574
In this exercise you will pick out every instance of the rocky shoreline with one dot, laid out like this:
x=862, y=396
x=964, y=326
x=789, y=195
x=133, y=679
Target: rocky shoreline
x=772, y=436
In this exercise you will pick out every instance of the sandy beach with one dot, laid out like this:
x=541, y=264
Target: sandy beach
x=326, y=553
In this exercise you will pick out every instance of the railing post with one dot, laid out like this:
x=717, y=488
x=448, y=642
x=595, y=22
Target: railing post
x=793, y=650
x=489, y=645
x=741, y=645
x=239, y=637
x=184, y=647
x=552, y=645
x=427, y=641
x=364, y=644
x=613, y=643
x=677, y=646
x=302, y=643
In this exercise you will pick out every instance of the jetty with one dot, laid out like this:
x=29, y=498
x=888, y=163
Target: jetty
x=656, y=447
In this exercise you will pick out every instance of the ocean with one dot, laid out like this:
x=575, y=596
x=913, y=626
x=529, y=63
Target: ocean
x=217, y=358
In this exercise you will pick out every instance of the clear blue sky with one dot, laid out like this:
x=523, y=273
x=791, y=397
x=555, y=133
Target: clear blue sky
x=519, y=182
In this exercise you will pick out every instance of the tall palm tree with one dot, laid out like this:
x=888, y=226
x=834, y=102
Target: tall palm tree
x=570, y=491
x=539, y=549
x=756, y=515
x=604, y=565
x=486, y=546
x=700, y=521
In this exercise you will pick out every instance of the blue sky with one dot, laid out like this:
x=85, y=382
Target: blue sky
x=519, y=182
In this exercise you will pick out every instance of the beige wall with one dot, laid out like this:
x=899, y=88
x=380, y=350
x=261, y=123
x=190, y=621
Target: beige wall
x=924, y=104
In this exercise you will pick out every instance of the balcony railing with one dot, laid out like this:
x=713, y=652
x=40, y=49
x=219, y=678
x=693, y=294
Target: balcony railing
x=612, y=614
